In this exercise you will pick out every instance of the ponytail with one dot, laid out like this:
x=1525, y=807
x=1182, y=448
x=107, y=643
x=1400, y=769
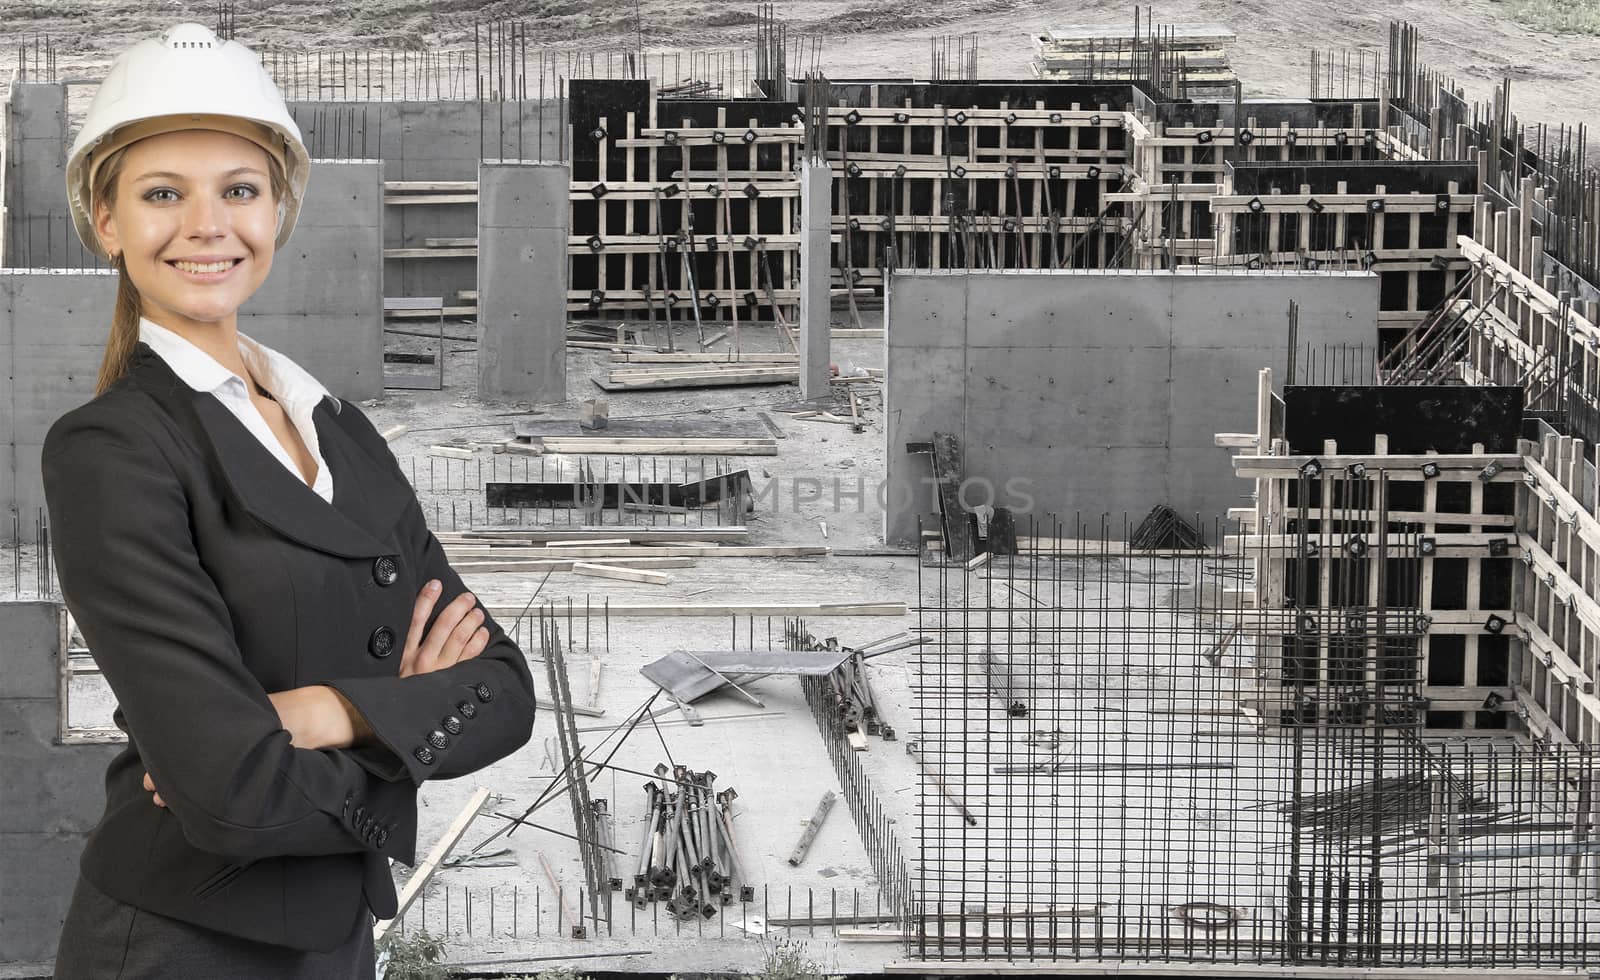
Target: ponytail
x=125, y=318
x=124, y=329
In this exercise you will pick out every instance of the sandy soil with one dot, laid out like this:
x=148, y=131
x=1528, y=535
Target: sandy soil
x=1553, y=77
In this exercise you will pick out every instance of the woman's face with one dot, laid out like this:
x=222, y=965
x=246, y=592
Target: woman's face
x=195, y=221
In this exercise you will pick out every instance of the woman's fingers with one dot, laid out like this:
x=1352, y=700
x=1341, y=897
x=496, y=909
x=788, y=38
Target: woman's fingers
x=455, y=647
x=148, y=785
x=419, y=620
x=476, y=645
x=450, y=634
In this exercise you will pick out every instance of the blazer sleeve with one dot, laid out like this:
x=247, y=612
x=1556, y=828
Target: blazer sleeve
x=450, y=722
x=161, y=633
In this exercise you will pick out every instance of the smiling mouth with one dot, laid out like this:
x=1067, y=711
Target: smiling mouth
x=203, y=268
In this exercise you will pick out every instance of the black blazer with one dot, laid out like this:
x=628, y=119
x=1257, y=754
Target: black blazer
x=203, y=574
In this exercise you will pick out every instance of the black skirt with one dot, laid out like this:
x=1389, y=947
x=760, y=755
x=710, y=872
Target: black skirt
x=107, y=939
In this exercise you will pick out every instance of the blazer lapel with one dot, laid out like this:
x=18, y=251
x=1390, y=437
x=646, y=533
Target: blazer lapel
x=263, y=485
x=363, y=490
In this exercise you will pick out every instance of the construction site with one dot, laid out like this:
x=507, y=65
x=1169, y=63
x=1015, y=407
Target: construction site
x=1090, y=522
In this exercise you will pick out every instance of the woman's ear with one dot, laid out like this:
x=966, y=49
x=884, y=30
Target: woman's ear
x=105, y=226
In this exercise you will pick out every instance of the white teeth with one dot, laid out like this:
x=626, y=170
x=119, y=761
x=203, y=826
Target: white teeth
x=206, y=267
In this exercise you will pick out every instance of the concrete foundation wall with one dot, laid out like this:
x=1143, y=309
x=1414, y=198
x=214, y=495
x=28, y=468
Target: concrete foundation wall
x=522, y=271
x=1099, y=392
x=432, y=140
x=53, y=328
x=54, y=793
x=38, y=228
x=322, y=305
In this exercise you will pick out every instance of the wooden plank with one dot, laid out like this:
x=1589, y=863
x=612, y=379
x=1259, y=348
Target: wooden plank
x=695, y=427
x=430, y=253
x=583, y=533
x=435, y=314
x=647, y=447
x=577, y=709
x=430, y=185
x=405, y=199
x=705, y=358
x=425, y=870
x=471, y=566
x=949, y=471
x=620, y=574
x=718, y=610
x=813, y=825
x=692, y=551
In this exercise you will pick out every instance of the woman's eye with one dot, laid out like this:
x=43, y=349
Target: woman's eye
x=156, y=194
x=249, y=191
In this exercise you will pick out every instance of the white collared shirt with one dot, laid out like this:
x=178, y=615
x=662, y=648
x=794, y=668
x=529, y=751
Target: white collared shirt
x=293, y=388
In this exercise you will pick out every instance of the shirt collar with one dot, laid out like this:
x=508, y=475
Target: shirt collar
x=202, y=372
x=193, y=366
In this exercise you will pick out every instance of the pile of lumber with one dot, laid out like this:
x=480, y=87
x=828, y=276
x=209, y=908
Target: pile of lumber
x=1198, y=52
x=620, y=553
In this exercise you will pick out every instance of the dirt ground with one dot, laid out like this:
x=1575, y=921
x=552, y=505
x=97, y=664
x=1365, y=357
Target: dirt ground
x=1553, y=77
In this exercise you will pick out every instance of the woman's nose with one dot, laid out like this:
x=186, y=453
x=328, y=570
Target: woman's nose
x=205, y=217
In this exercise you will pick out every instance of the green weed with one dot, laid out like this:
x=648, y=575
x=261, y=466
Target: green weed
x=1557, y=16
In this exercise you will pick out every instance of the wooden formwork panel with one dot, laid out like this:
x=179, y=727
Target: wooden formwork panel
x=676, y=202
x=1182, y=167
x=1430, y=605
x=1557, y=613
x=974, y=186
x=1446, y=581
x=1533, y=333
x=1411, y=240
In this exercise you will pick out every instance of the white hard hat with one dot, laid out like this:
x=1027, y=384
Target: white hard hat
x=185, y=79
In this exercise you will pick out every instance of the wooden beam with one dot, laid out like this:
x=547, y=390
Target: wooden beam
x=719, y=610
x=620, y=574
x=419, y=878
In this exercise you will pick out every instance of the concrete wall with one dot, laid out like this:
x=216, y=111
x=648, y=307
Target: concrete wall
x=431, y=140
x=53, y=328
x=322, y=305
x=522, y=271
x=38, y=230
x=816, y=275
x=53, y=794
x=1102, y=390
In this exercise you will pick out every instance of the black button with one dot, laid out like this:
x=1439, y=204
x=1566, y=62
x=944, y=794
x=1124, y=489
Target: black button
x=424, y=755
x=385, y=571
x=484, y=694
x=382, y=838
x=438, y=740
x=451, y=724
x=359, y=813
x=381, y=643
x=467, y=709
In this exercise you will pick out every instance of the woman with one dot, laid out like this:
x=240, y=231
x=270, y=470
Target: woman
x=238, y=548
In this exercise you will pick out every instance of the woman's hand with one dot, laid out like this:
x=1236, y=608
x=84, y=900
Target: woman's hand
x=152, y=788
x=458, y=634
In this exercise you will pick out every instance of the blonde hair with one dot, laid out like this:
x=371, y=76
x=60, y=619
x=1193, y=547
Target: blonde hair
x=124, y=335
